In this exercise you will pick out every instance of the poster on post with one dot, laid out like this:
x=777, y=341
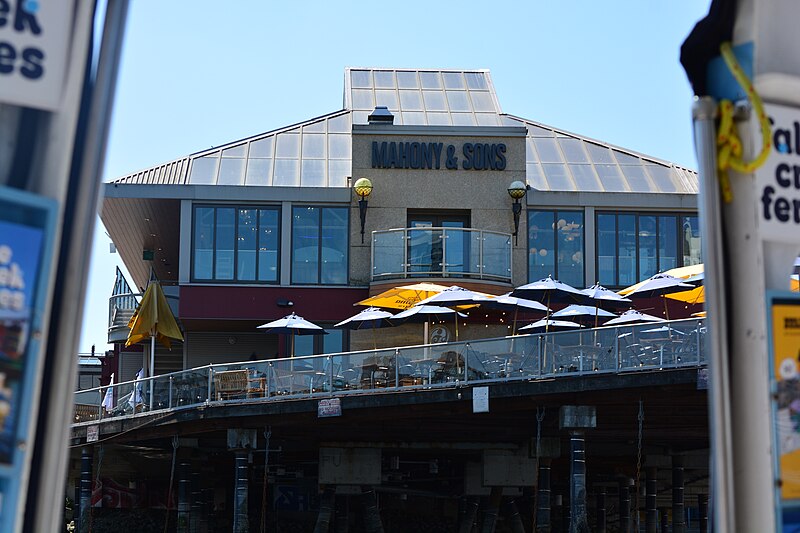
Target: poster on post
x=26, y=244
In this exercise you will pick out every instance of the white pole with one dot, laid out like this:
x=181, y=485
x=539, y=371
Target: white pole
x=152, y=363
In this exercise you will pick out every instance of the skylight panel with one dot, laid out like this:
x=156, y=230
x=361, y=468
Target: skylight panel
x=362, y=99
x=387, y=98
x=453, y=80
x=573, y=150
x=610, y=178
x=313, y=173
x=548, y=152
x=407, y=80
x=476, y=80
x=287, y=172
x=637, y=178
x=231, y=171
x=535, y=177
x=361, y=78
x=626, y=159
x=430, y=80
x=482, y=101
x=204, y=170
x=487, y=119
x=439, y=119
x=600, y=154
x=558, y=177
x=458, y=101
x=414, y=118
x=434, y=101
x=662, y=177
x=258, y=172
x=338, y=171
x=339, y=124
x=585, y=178
x=235, y=151
x=463, y=119
x=410, y=100
x=384, y=79
x=261, y=147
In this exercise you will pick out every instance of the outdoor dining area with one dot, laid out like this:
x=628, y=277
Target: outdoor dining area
x=576, y=332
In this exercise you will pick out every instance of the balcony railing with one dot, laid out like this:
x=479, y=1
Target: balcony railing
x=647, y=347
x=441, y=252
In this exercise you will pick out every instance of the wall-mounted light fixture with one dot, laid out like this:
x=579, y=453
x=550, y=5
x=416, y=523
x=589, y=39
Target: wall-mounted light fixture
x=516, y=190
x=363, y=188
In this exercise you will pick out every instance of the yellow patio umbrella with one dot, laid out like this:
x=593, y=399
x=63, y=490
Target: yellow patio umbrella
x=679, y=272
x=693, y=296
x=403, y=297
x=795, y=283
x=153, y=320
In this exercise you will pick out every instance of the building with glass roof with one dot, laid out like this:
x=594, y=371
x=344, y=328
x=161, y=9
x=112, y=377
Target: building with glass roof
x=273, y=218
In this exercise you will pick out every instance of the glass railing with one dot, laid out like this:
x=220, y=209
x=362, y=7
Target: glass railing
x=441, y=252
x=645, y=347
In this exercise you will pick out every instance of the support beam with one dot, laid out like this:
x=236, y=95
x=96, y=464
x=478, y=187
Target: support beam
x=625, y=506
x=492, y=510
x=372, y=517
x=578, y=522
x=240, y=518
x=678, y=511
x=195, y=516
x=342, y=513
x=651, y=490
x=86, y=491
x=702, y=512
x=325, y=516
x=513, y=517
x=543, y=498
x=184, y=493
x=600, y=511
x=470, y=515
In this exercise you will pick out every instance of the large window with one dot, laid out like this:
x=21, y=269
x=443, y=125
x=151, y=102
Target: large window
x=555, y=246
x=236, y=244
x=632, y=247
x=319, y=245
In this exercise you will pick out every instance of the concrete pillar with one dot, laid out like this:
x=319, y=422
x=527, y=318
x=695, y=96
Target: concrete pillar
x=492, y=510
x=651, y=512
x=513, y=517
x=184, y=495
x=240, y=518
x=702, y=512
x=578, y=522
x=664, y=520
x=678, y=511
x=372, y=517
x=325, y=516
x=86, y=491
x=543, y=498
x=197, y=503
x=625, y=506
x=600, y=511
x=469, y=516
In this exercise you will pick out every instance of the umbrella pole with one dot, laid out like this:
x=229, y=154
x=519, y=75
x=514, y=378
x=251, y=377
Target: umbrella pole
x=152, y=363
x=514, y=324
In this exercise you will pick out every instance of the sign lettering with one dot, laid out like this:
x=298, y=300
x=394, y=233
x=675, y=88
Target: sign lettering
x=428, y=156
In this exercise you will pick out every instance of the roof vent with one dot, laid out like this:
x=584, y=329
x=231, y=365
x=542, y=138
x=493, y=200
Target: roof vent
x=381, y=115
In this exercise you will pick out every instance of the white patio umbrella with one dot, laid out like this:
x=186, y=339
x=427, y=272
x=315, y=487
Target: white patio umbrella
x=548, y=324
x=425, y=313
x=575, y=310
x=549, y=291
x=370, y=318
x=604, y=297
x=455, y=296
x=292, y=325
x=658, y=285
x=506, y=302
x=633, y=317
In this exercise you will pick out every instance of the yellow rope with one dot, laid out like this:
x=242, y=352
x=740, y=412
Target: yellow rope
x=729, y=146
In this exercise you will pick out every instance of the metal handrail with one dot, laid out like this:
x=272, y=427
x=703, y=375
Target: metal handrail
x=407, y=268
x=576, y=353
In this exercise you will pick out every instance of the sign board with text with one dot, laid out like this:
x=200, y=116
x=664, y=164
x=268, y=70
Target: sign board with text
x=34, y=39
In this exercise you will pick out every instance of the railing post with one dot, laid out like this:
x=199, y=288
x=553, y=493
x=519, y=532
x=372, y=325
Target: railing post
x=330, y=375
x=616, y=349
x=270, y=378
x=169, y=402
x=210, y=379
x=466, y=363
x=443, y=238
x=481, y=239
x=541, y=359
x=699, y=340
x=396, y=368
x=405, y=253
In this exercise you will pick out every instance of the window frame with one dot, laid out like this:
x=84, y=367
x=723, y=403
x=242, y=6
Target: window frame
x=235, y=281
x=319, y=246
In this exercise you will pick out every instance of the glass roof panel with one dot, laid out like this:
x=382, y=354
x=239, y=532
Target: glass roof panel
x=287, y=172
x=360, y=117
x=338, y=171
x=407, y=80
x=361, y=78
x=430, y=80
x=662, y=178
x=434, y=101
x=611, y=178
x=463, y=119
x=261, y=147
x=548, y=152
x=313, y=173
x=414, y=118
x=231, y=172
x=458, y=101
x=439, y=119
x=313, y=145
x=600, y=154
x=476, y=80
x=236, y=151
x=507, y=120
x=410, y=100
x=362, y=99
x=288, y=144
x=482, y=101
x=627, y=159
x=315, y=127
x=204, y=170
x=637, y=179
x=585, y=178
x=384, y=79
x=340, y=124
x=573, y=150
x=487, y=119
x=258, y=172
x=530, y=151
x=453, y=80
x=535, y=177
x=536, y=131
x=387, y=98
x=339, y=147
x=558, y=177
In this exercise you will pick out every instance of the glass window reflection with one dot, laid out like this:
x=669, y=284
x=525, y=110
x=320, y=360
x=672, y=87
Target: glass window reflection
x=319, y=245
x=203, y=243
x=555, y=246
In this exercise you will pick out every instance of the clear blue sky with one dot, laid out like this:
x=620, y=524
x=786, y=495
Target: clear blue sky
x=196, y=74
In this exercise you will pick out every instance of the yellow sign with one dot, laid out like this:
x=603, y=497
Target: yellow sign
x=786, y=358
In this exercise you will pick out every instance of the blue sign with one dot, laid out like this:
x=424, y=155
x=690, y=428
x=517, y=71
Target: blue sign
x=26, y=244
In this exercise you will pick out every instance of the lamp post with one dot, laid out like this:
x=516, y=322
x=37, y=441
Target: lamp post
x=516, y=190
x=363, y=188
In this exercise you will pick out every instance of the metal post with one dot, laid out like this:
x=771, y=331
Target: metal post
x=625, y=506
x=469, y=516
x=513, y=517
x=577, y=483
x=702, y=512
x=197, y=504
x=466, y=363
x=600, y=511
x=678, y=513
x=651, y=512
x=342, y=516
x=664, y=520
x=325, y=515
x=240, y=517
x=396, y=368
x=210, y=380
x=493, y=509
x=184, y=492
x=372, y=517
x=616, y=349
x=330, y=375
x=543, y=498
x=86, y=490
